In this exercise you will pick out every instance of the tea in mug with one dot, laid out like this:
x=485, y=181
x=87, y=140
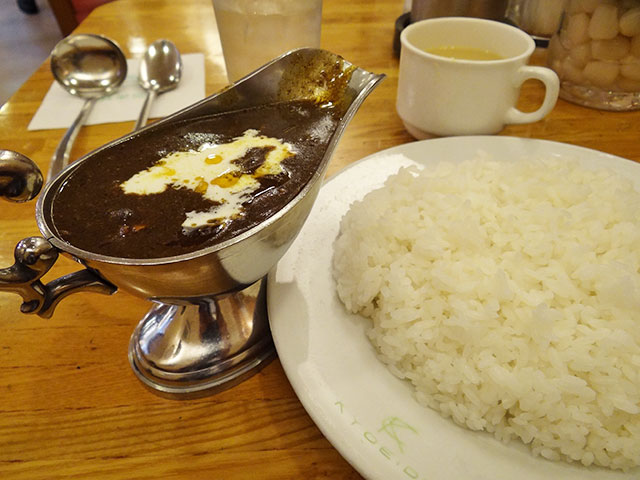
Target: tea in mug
x=463, y=53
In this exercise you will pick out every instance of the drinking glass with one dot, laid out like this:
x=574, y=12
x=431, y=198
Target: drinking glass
x=253, y=32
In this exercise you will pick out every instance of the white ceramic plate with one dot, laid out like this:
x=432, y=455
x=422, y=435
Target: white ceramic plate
x=369, y=415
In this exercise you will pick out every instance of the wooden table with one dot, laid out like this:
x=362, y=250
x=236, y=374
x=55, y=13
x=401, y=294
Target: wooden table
x=70, y=406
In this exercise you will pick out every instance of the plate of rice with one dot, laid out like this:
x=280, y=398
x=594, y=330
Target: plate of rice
x=469, y=308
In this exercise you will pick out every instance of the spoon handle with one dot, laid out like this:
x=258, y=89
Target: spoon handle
x=144, y=113
x=60, y=158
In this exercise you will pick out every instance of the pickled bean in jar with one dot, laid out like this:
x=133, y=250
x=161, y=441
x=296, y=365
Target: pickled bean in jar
x=596, y=53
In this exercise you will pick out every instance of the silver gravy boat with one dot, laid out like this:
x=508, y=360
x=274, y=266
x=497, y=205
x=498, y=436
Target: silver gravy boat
x=208, y=326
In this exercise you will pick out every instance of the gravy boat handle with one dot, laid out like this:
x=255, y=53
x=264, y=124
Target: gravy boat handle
x=21, y=180
x=34, y=256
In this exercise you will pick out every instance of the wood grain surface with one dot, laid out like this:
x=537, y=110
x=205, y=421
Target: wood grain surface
x=70, y=406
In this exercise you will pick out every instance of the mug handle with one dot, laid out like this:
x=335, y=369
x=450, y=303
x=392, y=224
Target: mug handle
x=552, y=87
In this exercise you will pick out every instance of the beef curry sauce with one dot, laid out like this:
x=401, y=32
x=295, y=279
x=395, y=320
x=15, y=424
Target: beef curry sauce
x=189, y=186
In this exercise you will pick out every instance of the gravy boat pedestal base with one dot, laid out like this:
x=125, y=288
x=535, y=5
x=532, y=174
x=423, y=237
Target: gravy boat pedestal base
x=187, y=350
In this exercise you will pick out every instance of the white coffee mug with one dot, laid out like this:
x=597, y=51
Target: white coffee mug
x=443, y=96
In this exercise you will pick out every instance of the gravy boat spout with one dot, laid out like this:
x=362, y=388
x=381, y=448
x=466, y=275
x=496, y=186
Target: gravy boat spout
x=207, y=328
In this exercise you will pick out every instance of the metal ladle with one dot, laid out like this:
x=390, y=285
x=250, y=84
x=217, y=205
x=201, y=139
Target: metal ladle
x=88, y=66
x=160, y=71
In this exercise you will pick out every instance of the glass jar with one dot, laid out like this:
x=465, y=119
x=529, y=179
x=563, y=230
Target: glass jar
x=596, y=53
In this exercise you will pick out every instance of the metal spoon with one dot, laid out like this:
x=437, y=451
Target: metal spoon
x=20, y=177
x=88, y=66
x=160, y=71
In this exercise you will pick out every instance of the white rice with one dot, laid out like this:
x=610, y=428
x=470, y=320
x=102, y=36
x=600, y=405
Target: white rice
x=508, y=293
